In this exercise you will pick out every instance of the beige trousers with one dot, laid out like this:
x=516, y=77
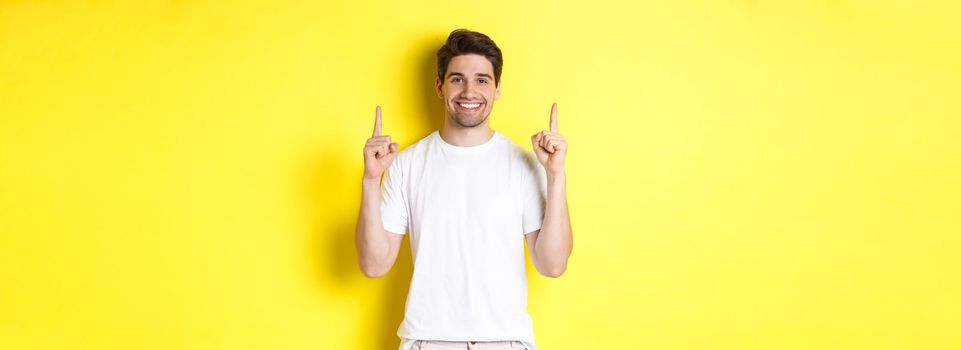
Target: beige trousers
x=451, y=345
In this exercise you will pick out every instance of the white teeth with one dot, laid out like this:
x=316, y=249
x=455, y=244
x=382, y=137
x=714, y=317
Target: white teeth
x=470, y=105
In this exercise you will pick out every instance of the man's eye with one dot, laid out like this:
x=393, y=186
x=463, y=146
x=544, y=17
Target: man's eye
x=455, y=80
x=482, y=81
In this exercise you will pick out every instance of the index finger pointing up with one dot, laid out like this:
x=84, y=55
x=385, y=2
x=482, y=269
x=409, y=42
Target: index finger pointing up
x=377, y=122
x=554, y=117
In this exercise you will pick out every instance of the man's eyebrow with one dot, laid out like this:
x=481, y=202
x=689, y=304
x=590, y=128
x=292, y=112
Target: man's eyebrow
x=488, y=76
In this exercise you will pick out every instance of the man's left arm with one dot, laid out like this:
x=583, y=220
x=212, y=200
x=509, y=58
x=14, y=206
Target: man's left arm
x=551, y=246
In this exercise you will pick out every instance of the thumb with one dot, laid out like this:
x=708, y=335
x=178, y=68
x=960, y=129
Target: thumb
x=535, y=142
x=392, y=152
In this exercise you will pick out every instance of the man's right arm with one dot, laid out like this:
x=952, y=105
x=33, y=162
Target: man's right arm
x=376, y=247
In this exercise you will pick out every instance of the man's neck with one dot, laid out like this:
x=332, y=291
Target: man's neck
x=466, y=137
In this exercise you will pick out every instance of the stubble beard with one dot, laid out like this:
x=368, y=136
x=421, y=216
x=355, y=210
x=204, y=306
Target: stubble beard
x=469, y=121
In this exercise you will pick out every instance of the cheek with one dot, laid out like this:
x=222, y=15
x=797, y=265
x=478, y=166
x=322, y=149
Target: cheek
x=451, y=93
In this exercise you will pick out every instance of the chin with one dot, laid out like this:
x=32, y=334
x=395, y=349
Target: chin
x=469, y=122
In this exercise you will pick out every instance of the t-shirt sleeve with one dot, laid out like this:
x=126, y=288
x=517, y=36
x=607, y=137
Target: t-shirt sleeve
x=393, y=203
x=534, y=193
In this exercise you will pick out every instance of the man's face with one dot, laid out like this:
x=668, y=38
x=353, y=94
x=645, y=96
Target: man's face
x=468, y=89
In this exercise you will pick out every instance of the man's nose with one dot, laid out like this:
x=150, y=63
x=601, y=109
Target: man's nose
x=470, y=90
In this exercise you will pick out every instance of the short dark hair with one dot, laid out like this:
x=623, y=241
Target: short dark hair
x=462, y=42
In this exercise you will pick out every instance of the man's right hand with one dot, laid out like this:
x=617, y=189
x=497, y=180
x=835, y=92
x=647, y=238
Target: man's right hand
x=379, y=152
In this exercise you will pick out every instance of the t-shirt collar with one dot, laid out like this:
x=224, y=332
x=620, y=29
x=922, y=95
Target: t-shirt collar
x=468, y=149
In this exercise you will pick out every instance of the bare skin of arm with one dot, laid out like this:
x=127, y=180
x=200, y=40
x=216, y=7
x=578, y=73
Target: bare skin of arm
x=377, y=248
x=551, y=246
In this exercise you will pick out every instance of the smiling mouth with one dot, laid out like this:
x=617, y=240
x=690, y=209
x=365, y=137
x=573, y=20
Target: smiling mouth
x=470, y=106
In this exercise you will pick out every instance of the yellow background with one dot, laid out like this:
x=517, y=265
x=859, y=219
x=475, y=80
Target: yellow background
x=742, y=174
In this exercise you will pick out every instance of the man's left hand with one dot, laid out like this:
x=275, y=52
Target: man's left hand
x=550, y=146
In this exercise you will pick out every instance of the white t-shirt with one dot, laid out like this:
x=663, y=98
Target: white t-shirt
x=467, y=210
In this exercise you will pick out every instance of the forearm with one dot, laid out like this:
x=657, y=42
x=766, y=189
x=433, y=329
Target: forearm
x=371, y=238
x=555, y=240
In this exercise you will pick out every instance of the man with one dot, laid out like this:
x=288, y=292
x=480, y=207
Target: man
x=466, y=194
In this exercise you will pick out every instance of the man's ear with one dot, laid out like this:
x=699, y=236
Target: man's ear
x=497, y=92
x=438, y=88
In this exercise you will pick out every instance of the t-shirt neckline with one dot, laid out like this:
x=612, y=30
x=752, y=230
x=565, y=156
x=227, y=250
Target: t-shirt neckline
x=467, y=149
